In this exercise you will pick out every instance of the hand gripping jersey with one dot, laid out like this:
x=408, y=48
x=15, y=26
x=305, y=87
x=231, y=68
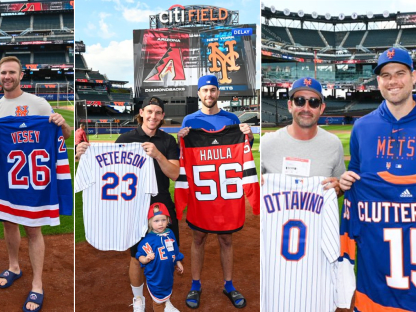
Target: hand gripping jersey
x=35, y=171
x=299, y=245
x=117, y=180
x=159, y=272
x=216, y=169
x=379, y=218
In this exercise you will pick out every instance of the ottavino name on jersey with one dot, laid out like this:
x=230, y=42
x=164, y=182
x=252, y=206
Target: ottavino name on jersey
x=35, y=171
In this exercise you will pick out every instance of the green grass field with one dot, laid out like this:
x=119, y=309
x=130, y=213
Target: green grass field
x=67, y=222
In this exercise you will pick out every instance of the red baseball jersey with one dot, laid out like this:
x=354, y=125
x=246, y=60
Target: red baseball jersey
x=217, y=168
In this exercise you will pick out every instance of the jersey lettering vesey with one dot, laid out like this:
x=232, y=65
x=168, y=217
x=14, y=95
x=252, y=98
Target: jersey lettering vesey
x=35, y=172
x=217, y=168
x=117, y=180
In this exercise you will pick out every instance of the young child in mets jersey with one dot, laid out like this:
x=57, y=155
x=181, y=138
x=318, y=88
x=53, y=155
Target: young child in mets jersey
x=159, y=253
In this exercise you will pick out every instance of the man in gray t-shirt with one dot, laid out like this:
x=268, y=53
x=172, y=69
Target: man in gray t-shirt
x=302, y=148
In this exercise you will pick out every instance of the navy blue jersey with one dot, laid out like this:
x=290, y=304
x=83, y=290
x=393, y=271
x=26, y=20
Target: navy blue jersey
x=379, y=219
x=36, y=185
x=379, y=142
x=159, y=272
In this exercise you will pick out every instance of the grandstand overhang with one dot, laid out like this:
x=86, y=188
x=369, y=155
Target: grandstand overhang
x=193, y=15
x=362, y=18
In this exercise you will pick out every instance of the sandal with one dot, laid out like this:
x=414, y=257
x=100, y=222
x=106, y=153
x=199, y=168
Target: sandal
x=193, y=295
x=234, y=296
x=10, y=277
x=35, y=298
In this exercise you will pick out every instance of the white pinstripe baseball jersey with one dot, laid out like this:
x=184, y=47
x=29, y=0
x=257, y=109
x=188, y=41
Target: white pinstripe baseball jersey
x=299, y=245
x=117, y=181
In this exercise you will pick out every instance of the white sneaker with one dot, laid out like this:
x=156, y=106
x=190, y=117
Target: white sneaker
x=170, y=308
x=138, y=304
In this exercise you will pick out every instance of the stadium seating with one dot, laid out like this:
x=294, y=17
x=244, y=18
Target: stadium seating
x=307, y=37
x=95, y=75
x=46, y=22
x=80, y=75
x=354, y=38
x=79, y=61
x=408, y=37
x=381, y=37
x=93, y=96
x=68, y=20
x=280, y=32
x=15, y=23
x=121, y=97
x=49, y=57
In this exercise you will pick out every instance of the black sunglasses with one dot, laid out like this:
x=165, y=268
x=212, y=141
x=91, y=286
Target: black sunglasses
x=300, y=101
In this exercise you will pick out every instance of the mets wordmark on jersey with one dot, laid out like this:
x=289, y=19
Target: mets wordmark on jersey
x=217, y=168
x=379, y=219
x=299, y=244
x=117, y=180
x=35, y=172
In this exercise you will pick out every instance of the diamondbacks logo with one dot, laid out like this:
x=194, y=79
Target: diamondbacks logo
x=22, y=111
x=226, y=61
x=390, y=54
x=307, y=82
x=170, y=63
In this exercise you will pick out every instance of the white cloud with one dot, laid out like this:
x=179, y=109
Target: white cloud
x=137, y=15
x=115, y=60
x=105, y=29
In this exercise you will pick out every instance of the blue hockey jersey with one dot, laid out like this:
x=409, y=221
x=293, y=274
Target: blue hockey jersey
x=379, y=142
x=379, y=218
x=36, y=180
x=159, y=272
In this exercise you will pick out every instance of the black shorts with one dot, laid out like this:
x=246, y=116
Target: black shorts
x=174, y=226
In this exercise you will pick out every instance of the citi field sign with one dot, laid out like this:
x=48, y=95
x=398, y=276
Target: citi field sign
x=178, y=14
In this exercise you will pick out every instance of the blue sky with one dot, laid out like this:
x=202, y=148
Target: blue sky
x=106, y=27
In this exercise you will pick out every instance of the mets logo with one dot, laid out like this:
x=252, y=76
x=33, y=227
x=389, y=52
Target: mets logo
x=226, y=61
x=22, y=110
x=388, y=165
x=33, y=297
x=390, y=54
x=307, y=82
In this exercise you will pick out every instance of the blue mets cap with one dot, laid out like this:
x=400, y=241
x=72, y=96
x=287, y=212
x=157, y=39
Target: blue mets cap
x=308, y=84
x=208, y=80
x=394, y=55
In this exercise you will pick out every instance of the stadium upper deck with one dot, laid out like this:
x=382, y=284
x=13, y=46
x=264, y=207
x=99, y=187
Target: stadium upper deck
x=41, y=35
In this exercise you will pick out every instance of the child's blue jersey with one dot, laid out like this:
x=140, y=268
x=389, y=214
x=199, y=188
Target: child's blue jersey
x=159, y=272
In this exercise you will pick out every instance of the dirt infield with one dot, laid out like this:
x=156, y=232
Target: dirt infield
x=102, y=281
x=58, y=276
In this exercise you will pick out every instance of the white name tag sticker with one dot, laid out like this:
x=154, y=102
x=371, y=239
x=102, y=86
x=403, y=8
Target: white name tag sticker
x=296, y=166
x=169, y=244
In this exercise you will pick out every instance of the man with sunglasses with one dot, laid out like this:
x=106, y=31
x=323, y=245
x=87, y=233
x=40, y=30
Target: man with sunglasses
x=303, y=148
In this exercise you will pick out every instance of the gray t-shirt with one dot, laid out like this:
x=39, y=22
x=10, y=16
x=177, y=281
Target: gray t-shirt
x=25, y=105
x=324, y=150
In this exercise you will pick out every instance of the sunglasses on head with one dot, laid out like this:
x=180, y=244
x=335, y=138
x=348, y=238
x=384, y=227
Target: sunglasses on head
x=300, y=101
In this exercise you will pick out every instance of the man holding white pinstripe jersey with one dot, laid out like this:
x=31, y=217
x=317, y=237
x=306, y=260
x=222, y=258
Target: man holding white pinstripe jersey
x=299, y=213
x=162, y=147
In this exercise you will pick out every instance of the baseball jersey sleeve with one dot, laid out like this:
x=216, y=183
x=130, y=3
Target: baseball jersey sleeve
x=346, y=283
x=63, y=175
x=330, y=232
x=181, y=185
x=84, y=177
x=250, y=180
